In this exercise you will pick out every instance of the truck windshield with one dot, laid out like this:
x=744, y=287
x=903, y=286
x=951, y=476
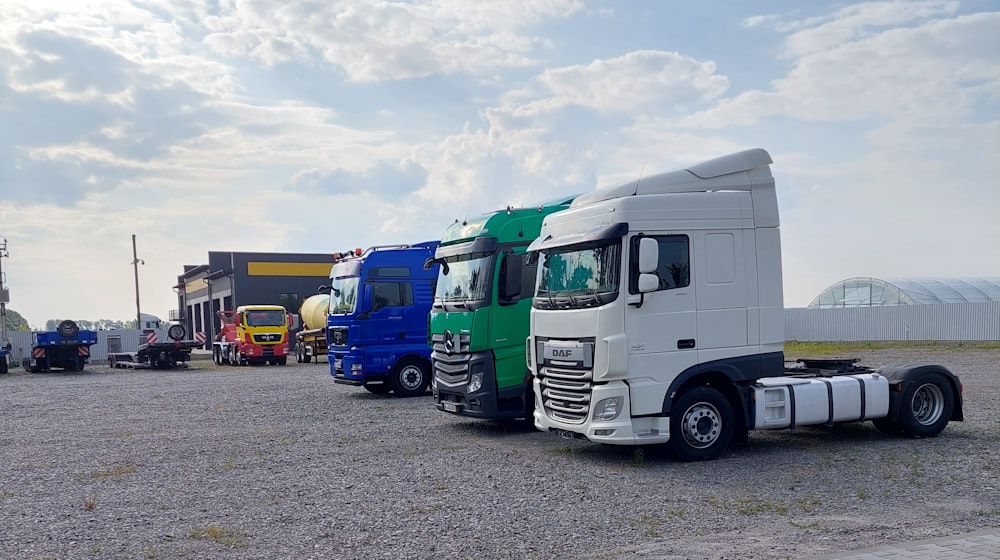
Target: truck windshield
x=265, y=318
x=467, y=281
x=343, y=295
x=578, y=276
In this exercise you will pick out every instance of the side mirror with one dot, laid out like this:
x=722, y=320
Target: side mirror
x=649, y=255
x=648, y=282
x=431, y=261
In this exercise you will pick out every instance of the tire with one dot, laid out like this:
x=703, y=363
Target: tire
x=926, y=406
x=3, y=364
x=68, y=329
x=299, y=357
x=234, y=355
x=701, y=425
x=176, y=332
x=216, y=356
x=281, y=361
x=381, y=389
x=409, y=378
x=887, y=426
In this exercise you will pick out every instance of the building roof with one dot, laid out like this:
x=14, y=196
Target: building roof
x=876, y=292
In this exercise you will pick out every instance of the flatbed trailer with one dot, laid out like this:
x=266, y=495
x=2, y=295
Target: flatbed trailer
x=66, y=348
x=161, y=349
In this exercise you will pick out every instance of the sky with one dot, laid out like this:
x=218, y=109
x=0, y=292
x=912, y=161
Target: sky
x=305, y=126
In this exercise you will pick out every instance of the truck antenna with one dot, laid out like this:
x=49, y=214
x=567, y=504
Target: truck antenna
x=465, y=220
x=641, y=171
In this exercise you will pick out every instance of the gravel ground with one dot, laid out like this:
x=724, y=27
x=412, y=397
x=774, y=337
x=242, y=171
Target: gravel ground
x=280, y=462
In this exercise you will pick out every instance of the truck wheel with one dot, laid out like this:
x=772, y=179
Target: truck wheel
x=299, y=355
x=281, y=361
x=3, y=364
x=409, y=378
x=701, y=425
x=927, y=405
x=176, y=332
x=68, y=329
x=380, y=389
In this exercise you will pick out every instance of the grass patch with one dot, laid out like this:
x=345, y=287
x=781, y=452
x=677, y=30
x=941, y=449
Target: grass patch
x=808, y=503
x=795, y=348
x=995, y=512
x=119, y=470
x=221, y=535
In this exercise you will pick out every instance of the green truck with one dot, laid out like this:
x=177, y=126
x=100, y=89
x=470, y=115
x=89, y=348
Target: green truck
x=479, y=320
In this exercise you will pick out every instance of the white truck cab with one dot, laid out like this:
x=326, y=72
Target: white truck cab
x=658, y=317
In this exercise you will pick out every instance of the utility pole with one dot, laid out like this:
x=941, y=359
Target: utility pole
x=135, y=266
x=4, y=294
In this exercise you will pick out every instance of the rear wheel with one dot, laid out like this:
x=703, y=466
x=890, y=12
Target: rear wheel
x=3, y=364
x=409, y=378
x=281, y=361
x=926, y=407
x=701, y=425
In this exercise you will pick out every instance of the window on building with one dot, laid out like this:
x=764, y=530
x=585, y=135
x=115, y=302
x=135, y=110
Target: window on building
x=290, y=302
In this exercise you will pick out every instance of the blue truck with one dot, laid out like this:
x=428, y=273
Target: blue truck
x=377, y=327
x=4, y=352
x=66, y=348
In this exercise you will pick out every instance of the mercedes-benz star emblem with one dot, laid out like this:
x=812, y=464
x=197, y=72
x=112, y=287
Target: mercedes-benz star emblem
x=449, y=342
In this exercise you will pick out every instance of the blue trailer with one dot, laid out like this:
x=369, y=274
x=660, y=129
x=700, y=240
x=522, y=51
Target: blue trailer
x=376, y=332
x=66, y=348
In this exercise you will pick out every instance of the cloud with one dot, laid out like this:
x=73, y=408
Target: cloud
x=381, y=40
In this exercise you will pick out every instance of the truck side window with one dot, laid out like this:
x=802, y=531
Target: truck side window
x=674, y=263
x=391, y=294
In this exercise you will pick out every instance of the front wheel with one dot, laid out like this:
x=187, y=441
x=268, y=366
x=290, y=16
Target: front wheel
x=281, y=361
x=926, y=407
x=409, y=378
x=701, y=425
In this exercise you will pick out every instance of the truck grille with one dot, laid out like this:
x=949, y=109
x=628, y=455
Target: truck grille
x=267, y=338
x=338, y=336
x=451, y=361
x=566, y=387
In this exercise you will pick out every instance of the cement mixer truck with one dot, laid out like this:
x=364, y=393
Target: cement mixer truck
x=310, y=342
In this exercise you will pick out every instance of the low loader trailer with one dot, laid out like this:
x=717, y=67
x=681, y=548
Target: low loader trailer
x=161, y=349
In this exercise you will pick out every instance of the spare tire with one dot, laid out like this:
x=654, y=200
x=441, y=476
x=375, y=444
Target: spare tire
x=68, y=329
x=176, y=332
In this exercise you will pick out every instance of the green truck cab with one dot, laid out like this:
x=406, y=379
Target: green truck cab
x=479, y=320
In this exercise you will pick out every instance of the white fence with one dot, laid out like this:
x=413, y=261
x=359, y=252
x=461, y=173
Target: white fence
x=937, y=322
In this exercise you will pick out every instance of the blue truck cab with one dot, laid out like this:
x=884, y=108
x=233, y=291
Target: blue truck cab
x=376, y=332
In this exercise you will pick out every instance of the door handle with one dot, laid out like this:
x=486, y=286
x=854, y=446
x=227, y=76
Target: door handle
x=685, y=344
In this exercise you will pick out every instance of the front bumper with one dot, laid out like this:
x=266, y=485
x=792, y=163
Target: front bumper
x=622, y=430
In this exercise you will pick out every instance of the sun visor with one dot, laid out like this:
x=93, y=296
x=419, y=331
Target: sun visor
x=596, y=233
x=480, y=245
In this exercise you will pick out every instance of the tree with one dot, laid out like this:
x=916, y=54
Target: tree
x=15, y=322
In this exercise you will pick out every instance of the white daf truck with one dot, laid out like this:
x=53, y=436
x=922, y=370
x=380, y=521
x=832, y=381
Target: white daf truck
x=658, y=318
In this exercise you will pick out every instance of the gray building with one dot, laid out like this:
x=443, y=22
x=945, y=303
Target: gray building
x=232, y=279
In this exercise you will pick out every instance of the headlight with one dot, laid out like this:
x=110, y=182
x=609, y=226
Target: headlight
x=608, y=409
x=475, y=382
